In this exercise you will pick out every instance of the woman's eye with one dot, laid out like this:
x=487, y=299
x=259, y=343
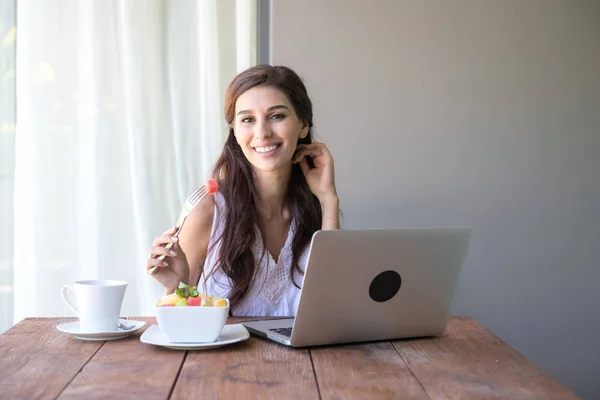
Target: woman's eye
x=277, y=116
x=248, y=119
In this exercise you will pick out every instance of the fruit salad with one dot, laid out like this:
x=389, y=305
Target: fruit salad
x=189, y=296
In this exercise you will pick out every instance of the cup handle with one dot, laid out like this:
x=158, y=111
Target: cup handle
x=63, y=294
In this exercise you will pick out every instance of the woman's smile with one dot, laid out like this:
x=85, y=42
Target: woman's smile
x=268, y=150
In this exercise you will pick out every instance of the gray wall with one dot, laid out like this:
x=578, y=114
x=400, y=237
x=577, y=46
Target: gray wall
x=480, y=113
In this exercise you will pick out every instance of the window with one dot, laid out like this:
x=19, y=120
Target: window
x=119, y=117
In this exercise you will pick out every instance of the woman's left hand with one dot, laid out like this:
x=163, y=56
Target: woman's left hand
x=320, y=179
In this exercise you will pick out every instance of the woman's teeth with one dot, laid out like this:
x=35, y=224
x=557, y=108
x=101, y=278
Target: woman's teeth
x=265, y=149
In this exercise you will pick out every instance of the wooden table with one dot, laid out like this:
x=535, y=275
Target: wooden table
x=466, y=362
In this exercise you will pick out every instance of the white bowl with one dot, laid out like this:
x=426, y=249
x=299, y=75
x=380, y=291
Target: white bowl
x=192, y=324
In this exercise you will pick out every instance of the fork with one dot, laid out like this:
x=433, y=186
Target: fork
x=191, y=202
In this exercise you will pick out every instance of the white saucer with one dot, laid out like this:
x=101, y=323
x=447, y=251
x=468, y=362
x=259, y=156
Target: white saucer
x=230, y=334
x=72, y=328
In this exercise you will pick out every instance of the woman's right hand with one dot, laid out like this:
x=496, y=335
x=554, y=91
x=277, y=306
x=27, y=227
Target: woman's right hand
x=174, y=267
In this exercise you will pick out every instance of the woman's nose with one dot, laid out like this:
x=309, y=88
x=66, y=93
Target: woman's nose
x=262, y=129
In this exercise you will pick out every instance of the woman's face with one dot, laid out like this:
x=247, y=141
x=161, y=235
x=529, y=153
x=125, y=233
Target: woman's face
x=267, y=128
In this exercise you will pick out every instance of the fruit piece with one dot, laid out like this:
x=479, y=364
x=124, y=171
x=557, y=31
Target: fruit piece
x=206, y=301
x=184, y=290
x=194, y=301
x=182, y=302
x=212, y=186
x=168, y=300
x=220, y=303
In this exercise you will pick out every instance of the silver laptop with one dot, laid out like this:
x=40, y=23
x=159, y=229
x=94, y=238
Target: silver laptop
x=366, y=285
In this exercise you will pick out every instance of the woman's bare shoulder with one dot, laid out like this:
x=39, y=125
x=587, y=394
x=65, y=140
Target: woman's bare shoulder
x=201, y=217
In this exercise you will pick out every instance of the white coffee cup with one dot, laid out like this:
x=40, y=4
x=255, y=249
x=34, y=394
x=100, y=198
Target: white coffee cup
x=98, y=304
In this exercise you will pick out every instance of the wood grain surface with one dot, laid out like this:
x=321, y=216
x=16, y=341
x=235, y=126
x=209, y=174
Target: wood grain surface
x=467, y=361
x=127, y=369
x=37, y=361
x=372, y=370
x=254, y=369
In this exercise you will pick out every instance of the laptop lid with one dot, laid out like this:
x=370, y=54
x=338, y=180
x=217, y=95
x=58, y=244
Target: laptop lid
x=364, y=285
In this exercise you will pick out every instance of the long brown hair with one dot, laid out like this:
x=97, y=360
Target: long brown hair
x=236, y=185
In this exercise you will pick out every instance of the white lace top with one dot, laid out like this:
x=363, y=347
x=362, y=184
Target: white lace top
x=272, y=292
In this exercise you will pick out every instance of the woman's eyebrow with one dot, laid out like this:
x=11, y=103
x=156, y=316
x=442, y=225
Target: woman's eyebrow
x=277, y=107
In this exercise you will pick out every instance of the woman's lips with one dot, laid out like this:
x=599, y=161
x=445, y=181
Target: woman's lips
x=266, y=151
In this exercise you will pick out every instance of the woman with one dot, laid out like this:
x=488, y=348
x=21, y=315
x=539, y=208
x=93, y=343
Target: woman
x=249, y=241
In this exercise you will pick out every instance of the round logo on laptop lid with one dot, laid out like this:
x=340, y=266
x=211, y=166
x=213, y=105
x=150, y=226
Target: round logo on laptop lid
x=385, y=286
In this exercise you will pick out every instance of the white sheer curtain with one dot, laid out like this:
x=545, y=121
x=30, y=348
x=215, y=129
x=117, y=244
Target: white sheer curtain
x=119, y=118
x=7, y=145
